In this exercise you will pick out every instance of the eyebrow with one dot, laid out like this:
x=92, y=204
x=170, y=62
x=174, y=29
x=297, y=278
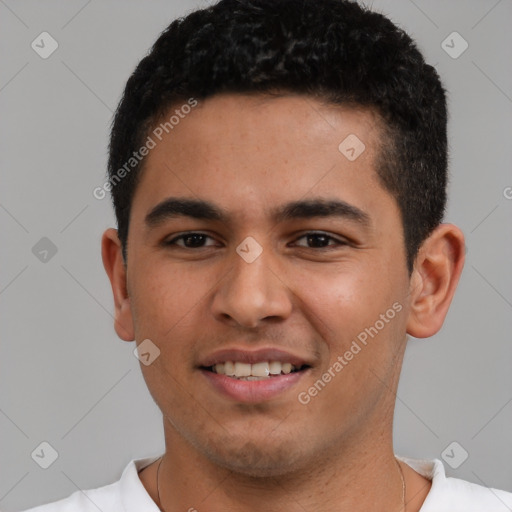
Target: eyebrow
x=174, y=207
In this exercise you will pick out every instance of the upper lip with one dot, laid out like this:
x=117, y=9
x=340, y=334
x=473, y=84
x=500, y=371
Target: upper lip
x=253, y=356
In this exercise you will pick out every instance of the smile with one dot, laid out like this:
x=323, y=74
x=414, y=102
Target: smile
x=243, y=386
x=258, y=371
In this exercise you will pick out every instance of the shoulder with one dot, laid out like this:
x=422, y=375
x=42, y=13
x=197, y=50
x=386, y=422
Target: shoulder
x=128, y=494
x=104, y=498
x=477, y=497
x=449, y=494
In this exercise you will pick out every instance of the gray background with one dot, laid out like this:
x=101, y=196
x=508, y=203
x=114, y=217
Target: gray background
x=65, y=376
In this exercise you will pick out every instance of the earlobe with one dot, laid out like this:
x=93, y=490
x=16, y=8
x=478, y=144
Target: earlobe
x=111, y=253
x=436, y=273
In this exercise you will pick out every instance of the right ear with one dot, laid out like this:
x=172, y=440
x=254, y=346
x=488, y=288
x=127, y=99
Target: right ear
x=112, y=255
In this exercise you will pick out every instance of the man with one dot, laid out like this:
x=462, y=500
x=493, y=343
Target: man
x=278, y=172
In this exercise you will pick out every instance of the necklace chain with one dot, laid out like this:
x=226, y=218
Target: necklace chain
x=403, y=485
x=160, y=503
x=158, y=483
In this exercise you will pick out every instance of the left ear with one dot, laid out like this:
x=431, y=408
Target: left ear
x=436, y=272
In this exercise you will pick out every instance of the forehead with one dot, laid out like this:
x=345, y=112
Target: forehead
x=248, y=152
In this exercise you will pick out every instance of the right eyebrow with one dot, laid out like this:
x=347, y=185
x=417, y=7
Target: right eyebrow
x=173, y=207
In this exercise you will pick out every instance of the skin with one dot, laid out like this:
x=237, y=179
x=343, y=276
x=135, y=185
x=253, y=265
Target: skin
x=249, y=154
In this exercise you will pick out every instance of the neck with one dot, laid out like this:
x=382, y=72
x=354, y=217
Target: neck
x=351, y=477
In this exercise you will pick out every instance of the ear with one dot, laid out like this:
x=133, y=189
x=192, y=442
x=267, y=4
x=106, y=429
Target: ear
x=436, y=272
x=111, y=253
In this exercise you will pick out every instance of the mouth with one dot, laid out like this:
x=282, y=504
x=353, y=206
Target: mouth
x=246, y=375
x=252, y=383
x=263, y=370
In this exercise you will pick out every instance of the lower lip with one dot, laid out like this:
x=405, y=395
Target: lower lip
x=252, y=391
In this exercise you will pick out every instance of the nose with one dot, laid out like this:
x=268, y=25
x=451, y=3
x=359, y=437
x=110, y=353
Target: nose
x=251, y=293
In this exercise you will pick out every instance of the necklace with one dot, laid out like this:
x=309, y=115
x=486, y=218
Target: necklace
x=403, y=484
x=160, y=503
x=158, y=483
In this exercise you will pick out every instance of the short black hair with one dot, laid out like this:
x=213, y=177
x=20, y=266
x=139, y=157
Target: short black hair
x=337, y=51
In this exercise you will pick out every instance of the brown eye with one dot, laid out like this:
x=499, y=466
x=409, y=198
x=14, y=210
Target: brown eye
x=190, y=240
x=320, y=241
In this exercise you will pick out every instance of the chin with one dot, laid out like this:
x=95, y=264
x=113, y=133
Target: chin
x=258, y=460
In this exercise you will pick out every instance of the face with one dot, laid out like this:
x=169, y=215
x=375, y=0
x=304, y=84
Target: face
x=296, y=257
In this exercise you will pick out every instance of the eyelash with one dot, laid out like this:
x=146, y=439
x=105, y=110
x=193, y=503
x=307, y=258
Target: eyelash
x=339, y=243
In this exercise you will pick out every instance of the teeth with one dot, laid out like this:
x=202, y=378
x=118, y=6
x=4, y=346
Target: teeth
x=229, y=368
x=260, y=369
x=256, y=371
x=286, y=367
x=275, y=367
x=242, y=369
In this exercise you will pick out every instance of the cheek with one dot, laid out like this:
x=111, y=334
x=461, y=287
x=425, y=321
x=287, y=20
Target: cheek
x=361, y=322
x=164, y=299
x=340, y=302
x=165, y=302
x=362, y=304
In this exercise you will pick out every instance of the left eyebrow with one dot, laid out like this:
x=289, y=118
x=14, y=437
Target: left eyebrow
x=320, y=207
x=173, y=207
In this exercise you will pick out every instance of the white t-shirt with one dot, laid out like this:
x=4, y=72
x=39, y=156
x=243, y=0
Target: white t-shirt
x=129, y=495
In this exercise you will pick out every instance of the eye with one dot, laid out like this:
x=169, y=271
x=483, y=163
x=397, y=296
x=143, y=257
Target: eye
x=195, y=240
x=320, y=241
x=190, y=240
